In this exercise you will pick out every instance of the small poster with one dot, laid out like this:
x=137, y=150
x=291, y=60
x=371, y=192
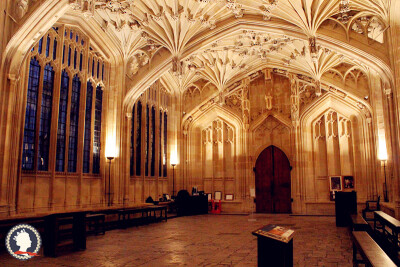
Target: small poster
x=348, y=182
x=335, y=183
x=252, y=192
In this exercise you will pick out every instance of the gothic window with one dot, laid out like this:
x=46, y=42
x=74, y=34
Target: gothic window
x=73, y=125
x=139, y=139
x=132, y=147
x=88, y=127
x=160, y=145
x=153, y=141
x=147, y=142
x=45, y=65
x=97, y=130
x=62, y=122
x=165, y=145
x=28, y=153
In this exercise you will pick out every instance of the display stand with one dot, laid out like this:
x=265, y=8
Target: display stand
x=216, y=206
x=253, y=197
x=273, y=252
x=345, y=205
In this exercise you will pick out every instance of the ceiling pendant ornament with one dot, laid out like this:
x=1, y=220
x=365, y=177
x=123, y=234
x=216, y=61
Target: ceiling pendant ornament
x=236, y=8
x=344, y=9
x=313, y=48
x=267, y=9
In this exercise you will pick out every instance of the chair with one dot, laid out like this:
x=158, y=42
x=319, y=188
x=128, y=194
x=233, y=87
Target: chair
x=371, y=206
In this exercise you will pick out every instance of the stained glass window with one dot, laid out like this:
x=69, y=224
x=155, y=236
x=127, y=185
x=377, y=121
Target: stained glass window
x=40, y=45
x=48, y=46
x=160, y=146
x=28, y=150
x=37, y=138
x=139, y=139
x=153, y=141
x=165, y=144
x=69, y=56
x=147, y=144
x=88, y=126
x=132, y=148
x=45, y=118
x=54, y=49
x=62, y=122
x=73, y=124
x=97, y=130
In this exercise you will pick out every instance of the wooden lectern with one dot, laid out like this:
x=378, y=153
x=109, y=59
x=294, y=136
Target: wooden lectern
x=275, y=246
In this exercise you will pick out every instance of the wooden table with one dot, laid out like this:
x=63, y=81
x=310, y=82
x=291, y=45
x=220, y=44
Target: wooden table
x=369, y=250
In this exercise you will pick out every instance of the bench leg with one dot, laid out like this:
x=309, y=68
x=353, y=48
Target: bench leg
x=79, y=231
x=50, y=236
x=354, y=255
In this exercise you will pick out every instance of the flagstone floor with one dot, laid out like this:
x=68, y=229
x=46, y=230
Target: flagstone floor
x=205, y=240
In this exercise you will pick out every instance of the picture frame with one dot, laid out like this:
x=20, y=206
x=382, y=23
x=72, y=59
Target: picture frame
x=217, y=195
x=348, y=182
x=335, y=183
x=209, y=196
x=229, y=197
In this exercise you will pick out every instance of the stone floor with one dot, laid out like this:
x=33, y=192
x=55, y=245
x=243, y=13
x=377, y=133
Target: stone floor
x=205, y=240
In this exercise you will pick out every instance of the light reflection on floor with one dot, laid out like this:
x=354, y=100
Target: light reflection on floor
x=205, y=240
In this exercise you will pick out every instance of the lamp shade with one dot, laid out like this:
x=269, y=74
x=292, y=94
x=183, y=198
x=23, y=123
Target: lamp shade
x=382, y=154
x=111, y=149
x=174, y=158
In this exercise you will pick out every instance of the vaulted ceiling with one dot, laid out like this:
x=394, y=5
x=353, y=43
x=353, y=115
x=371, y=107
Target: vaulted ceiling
x=145, y=28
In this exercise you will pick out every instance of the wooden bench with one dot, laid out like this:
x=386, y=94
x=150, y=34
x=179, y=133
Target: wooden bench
x=358, y=223
x=51, y=231
x=125, y=219
x=96, y=223
x=369, y=250
x=161, y=209
x=148, y=215
x=388, y=226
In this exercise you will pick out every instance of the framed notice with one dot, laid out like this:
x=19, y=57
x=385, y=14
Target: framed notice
x=335, y=183
x=252, y=192
x=229, y=197
x=217, y=195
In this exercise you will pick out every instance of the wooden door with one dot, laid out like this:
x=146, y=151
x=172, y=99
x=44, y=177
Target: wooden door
x=273, y=188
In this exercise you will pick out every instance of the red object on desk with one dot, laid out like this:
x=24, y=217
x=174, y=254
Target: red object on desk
x=216, y=206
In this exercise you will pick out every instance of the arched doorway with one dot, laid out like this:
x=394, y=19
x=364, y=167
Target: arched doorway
x=273, y=188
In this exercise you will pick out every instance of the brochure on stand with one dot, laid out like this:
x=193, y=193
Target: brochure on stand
x=276, y=232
